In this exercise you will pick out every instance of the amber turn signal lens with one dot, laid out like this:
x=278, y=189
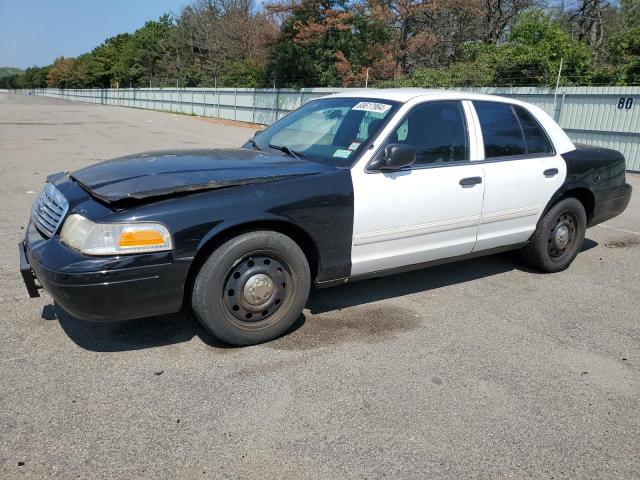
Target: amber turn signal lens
x=140, y=238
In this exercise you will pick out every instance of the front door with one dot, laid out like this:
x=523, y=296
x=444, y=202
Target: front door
x=428, y=211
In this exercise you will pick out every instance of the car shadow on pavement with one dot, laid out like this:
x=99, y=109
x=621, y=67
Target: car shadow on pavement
x=136, y=334
x=127, y=334
x=180, y=327
x=381, y=288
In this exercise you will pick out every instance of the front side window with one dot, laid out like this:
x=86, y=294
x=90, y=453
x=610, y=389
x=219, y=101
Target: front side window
x=500, y=130
x=332, y=130
x=437, y=131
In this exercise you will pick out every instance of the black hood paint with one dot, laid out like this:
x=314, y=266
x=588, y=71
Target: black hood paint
x=157, y=174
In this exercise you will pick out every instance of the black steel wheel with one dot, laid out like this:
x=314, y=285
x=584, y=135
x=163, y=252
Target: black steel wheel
x=563, y=234
x=252, y=288
x=256, y=288
x=558, y=237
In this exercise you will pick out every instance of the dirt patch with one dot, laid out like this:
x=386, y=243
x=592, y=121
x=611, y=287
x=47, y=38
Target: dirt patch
x=363, y=324
x=233, y=123
x=623, y=243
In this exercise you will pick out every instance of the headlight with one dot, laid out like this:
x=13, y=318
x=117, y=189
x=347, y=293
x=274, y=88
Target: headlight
x=114, y=238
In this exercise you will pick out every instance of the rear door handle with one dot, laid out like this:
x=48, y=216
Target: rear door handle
x=550, y=172
x=470, y=181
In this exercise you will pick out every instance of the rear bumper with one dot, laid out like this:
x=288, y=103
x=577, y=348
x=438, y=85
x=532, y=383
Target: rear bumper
x=102, y=288
x=610, y=202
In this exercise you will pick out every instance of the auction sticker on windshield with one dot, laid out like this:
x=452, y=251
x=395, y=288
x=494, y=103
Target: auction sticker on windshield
x=372, y=107
x=340, y=153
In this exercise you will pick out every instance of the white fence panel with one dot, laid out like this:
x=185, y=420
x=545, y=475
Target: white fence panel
x=602, y=116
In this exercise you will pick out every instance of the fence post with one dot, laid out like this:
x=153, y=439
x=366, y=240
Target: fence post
x=558, y=109
x=253, y=106
x=204, y=103
x=277, y=104
x=235, y=104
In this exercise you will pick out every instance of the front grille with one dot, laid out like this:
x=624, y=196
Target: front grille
x=49, y=209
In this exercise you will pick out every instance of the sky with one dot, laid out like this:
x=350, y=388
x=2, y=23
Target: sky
x=35, y=32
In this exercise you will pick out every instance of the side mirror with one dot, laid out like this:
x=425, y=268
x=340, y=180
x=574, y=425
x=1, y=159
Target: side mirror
x=397, y=155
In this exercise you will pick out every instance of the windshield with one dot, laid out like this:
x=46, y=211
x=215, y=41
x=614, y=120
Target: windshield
x=331, y=130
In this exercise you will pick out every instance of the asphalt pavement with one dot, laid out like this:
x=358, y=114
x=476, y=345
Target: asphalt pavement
x=478, y=369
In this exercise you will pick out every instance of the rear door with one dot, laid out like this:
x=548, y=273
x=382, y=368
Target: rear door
x=521, y=172
x=428, y=211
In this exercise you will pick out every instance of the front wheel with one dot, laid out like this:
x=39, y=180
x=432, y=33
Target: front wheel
x=252, y=288
x=558, y=237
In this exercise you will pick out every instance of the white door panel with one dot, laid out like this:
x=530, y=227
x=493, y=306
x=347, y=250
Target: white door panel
x=516, y=193
x=414, y=216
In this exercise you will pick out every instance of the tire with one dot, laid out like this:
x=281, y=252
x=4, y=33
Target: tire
x=252, y=288
x=558, y=237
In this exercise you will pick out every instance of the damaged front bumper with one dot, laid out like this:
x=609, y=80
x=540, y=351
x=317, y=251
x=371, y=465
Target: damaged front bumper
x=102, y=288
x=27, y=272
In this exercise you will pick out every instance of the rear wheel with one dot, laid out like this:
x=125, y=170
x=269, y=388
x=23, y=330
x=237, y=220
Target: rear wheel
x=558, y=237
x=252, y=288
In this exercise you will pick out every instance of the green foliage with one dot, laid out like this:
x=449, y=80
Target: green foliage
x=625, y=52
x=630, y=10
x=325, y=43
x=240, y=74
x=10, y=72
x=102, y=61
x=11, y=77
x=530, y=56
x=140, y=60
x=533, y=53
x=191, y=76
x=342, y=42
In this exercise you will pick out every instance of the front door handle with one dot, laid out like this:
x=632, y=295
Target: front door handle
x=470, y=181
x=550, y=172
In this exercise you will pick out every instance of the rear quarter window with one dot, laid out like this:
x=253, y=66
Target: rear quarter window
x=535, y=138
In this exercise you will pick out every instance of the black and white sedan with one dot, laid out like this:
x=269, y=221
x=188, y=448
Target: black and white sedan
x=350, y=186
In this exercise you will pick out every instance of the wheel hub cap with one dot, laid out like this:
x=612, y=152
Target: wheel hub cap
x=562, y=236
x=258, y=289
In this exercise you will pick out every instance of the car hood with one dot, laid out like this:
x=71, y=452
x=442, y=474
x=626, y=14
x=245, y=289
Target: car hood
x=159, y=174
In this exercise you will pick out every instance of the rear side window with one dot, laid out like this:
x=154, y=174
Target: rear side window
x=534, y=137
x=500, y=130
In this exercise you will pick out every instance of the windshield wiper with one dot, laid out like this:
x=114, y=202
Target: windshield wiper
x=254, y=144
x=286, y=150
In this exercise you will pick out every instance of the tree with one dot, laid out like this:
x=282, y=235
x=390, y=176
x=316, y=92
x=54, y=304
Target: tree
x=326, y=42
x=34, y=77
x=103, y=60
x=499, y=15
x=220, y=37
x=625, y=51
x=530, y=55
x=60, y=73
x=343, y=42
x=144, y=55
x=534, y=50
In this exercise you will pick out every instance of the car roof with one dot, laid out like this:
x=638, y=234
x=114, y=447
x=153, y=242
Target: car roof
x=406, y=94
